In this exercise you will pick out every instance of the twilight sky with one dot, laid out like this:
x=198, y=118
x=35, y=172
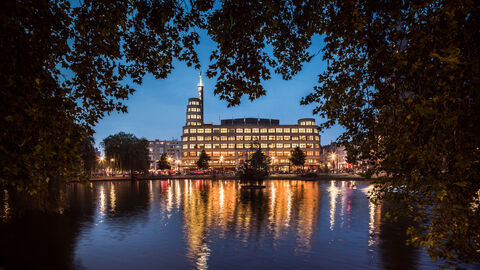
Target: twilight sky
x=157, y=109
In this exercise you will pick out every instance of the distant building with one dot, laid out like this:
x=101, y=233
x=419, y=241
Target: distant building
x=335, y=157
x=157, y=148
x=228, y=144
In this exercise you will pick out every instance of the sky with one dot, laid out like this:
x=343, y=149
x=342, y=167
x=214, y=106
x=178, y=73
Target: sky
x=157, y=110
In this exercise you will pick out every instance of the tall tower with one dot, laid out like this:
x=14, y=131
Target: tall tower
x=200, y=93
x=195, y=107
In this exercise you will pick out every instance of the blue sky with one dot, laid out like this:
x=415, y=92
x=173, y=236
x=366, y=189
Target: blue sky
x=157, y=109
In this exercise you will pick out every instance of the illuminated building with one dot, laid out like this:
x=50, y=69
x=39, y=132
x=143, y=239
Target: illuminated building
x=229, y=143
x=157, y=148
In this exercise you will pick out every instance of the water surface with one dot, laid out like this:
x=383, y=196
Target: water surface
x=202, y=224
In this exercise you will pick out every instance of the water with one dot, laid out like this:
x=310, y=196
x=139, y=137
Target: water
x=202, y=224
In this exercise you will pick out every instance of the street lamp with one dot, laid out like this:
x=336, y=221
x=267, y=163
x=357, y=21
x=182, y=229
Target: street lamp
x=333, y=160
x=221, y=163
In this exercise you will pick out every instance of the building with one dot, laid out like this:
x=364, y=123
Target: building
x=228, y=144
x=335, y=157
x=157, y=148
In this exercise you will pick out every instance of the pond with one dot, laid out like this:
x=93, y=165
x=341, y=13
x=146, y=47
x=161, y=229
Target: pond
x=204, y=224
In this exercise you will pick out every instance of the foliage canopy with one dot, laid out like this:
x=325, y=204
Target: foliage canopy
x=203, y=159
x=163, y=163
x=297, y=157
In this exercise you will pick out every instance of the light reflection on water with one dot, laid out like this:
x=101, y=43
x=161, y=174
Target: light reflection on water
x=202, y=224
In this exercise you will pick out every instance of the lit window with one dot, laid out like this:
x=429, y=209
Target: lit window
x=279, y=130
x=271, y=130
x=286, y=138
x=193, y=130
x=255, y=138
x=271, y=145
x=294, y=145
x=240, y=145
x=192, y=139
x=200, y=130
x=185, y=139
x=310, y=138
x=216, y=146
x=309, y=145
x=216, y=130
x=309, y=130
x=247, y=130
x=199, y=138
x=263, y=138
x=185, y=131
x=208, y=130
x=302, y=145
x=193, y=154
x=192, y=146
x=185, y=146
x=280, y=138
x=248, y=138
x=263, y=130
x=317, y=145
x=286, y=130
x=208, y=146
x=216, y=154
x=216, y=138
x=231, y=138
x=309, y=153
x=239, y=130
x=271, y=138
x=255, y=130
x=239, y=138
x=279, y=145
x=287, y=145
x=231, y=145
x=208, y=138
x=301, y=130
x=200, y=146
x=223, y=130
x=224, y=146
x=263, y=145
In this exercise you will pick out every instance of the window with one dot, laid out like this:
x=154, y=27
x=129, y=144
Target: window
x=185, y=131
x=271, y=145
x=208, y=146
x=271, y=138
x=193, y=154
x=208, y=130
x=240, y=146
x=263, y=145
x=302, y=145
x=208, y=138
x=317, y=145
x=216, y=154
x=309, y=145
x=185, y=139
x=317, y=138
x=193, y=130
x=263, y=130
x=294, y=138
x=185, y=146
x=286, y=130
x=294, y=130
x=239, y=138
x=279, y=145
x=263, y=138
x=255, y=130
x=301, y=130
x=200, y=130
x=286, y=138
x=184, y=154
x=223, y=138
x=294, y=145
x=223, y=130
x=200, y=146
x=216, y=130
x=216, y=146
x=231, y=145
x=248, y=138
x=309, y=130
x=310, y=138
x=255, y=138
x=216, y=138
x=192, y=146
x=279, y=130
x=303, y=138
x=223, y=146
x=239, y=130
x=309, y=153
x=199, y=138
x=231, y=138
x=287, y=145
x=279, y=138
x=271, y=130
x=247, y=130
x=192, y=139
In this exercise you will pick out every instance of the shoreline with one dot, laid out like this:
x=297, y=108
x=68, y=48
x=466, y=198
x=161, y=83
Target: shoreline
x=219, y=177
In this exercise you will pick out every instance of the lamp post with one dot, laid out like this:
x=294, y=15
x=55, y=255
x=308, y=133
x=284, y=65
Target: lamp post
x=221, y=163
x=333, y=161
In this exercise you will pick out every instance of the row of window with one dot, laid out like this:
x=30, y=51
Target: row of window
x=248, y=145
x=194, y=109
x=194, y=123
x=231, y=154
x=249, y=130
x=194, y=116
x=307, y=123
x=250, y=138
x=194, y=102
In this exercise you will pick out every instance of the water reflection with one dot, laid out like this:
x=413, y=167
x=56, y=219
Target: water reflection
x=199, y=224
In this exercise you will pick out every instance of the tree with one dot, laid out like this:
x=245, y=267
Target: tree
x=64, y=66
x=88, y=155
x=127, y=152
x=202, y=162
x=297, y=157
x=255, y=169
x=163, y=163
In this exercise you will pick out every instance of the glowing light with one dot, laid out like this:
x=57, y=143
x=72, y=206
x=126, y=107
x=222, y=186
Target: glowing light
x=333, y=199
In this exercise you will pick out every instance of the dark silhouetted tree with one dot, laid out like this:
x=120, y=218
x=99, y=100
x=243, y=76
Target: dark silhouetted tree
x=202, y=162
x=163, y=163
x=297, y=157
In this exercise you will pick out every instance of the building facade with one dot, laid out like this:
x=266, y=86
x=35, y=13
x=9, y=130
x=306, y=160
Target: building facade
x=157, y=148
x=229, y=143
